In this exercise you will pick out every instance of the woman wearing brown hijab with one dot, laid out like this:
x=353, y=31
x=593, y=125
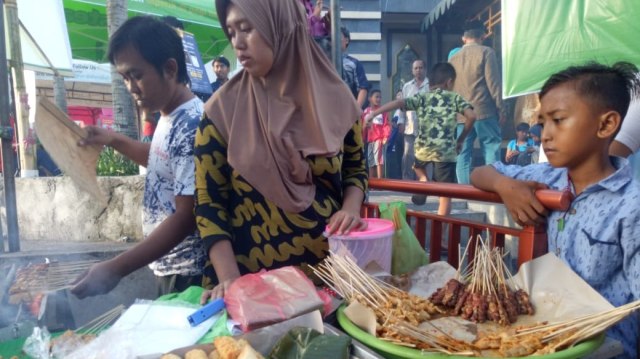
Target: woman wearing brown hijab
x=279, y=154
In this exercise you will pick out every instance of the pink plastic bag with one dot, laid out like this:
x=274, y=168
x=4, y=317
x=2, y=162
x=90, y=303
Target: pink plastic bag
x=257, y=300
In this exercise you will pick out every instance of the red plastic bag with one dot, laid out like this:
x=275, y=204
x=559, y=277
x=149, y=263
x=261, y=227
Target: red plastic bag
x=257, y=300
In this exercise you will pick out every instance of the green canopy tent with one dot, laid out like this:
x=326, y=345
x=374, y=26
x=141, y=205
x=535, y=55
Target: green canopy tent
x=87, y=25
x=541, y=37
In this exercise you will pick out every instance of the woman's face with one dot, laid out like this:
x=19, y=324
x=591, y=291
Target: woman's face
x=252, y=50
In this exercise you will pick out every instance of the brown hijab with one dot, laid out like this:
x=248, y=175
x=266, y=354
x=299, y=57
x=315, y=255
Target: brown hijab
x=301, y=109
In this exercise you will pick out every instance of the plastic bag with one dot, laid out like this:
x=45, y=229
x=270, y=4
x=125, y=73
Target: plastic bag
x=407, y=253
x=267, y=297
x=37, y=344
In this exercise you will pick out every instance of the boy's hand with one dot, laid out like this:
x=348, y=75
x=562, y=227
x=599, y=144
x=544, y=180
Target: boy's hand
x=521, y=202
x=367, y=119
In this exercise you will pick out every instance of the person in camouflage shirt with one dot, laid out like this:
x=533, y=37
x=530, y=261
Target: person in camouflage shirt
x=436, y=143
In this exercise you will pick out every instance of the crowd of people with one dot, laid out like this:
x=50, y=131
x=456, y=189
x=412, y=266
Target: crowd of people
x=252, y=178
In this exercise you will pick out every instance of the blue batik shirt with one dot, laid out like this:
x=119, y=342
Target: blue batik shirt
x=171, y=173
x=598, y=237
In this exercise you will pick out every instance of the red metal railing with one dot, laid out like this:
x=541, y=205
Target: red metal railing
x=532, y=241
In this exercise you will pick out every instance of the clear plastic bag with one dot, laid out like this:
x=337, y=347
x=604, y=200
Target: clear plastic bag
x=37, y=344
x=267, y=297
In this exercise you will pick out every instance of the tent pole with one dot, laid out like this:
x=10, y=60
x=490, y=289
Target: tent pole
x=6, y=138
x=26, y=141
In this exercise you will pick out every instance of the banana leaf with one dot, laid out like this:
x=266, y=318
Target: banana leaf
x=306, y=343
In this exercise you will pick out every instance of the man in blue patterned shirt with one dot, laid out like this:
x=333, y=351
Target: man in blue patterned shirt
x=149, y=56
x=599, y=236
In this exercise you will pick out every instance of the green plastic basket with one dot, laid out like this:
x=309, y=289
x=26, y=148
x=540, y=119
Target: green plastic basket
x=392, y=351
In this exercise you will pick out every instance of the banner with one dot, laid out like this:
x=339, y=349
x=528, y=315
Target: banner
x=542, y=37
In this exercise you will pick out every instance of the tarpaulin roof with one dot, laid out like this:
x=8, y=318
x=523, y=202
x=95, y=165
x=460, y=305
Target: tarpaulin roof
x=87, y=24
x=43, y=37
x=540, y=38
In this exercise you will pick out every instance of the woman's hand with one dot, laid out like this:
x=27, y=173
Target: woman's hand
x=217, y=292
x=511, y=154
x=345, y=221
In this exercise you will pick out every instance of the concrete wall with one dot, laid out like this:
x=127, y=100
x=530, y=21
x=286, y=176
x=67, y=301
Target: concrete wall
x=53, y=208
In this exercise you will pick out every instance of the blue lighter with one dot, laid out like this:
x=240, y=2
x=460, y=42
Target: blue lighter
x=206, y=312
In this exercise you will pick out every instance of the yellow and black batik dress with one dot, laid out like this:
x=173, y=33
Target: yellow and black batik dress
x=262, y=235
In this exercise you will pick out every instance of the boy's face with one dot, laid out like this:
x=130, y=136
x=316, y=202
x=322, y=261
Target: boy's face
x=150, y=89
x=570, y=127
x=375, y=99
x=522, y=135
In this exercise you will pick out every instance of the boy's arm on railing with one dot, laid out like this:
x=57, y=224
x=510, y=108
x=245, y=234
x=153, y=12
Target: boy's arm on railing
x=532, y=239
x=519, y=197
x=553, y=200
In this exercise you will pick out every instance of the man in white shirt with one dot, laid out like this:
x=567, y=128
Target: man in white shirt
x=419, y=84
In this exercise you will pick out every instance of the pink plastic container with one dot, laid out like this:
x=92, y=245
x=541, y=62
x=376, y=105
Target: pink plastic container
x=371, y=245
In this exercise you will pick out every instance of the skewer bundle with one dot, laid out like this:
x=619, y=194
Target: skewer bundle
x=72, y=340
x=483, y=291
x=565, y=334
x=42, y=278
x=396, y=311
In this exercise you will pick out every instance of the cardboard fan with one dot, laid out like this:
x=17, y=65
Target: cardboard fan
x=60, y=135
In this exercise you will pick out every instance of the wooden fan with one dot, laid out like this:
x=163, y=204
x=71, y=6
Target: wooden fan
x=60, y=135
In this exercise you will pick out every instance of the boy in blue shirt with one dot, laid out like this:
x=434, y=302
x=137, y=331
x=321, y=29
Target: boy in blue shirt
x=599, y=235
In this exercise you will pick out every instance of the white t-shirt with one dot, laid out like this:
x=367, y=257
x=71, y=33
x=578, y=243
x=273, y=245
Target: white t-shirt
x=410, y=89
x=170, y=173
x=629, y=134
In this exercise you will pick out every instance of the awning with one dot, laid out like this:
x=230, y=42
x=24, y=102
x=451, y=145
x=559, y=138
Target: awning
x=43, y=37
x=87, y=24
x=436, y=12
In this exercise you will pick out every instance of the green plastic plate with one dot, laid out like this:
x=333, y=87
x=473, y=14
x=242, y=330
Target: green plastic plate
x=392, y=351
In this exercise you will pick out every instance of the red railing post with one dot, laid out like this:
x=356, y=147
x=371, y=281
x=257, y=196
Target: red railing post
x=532, y=243
x=421, y=231
x=454, y=242
x=435, y=245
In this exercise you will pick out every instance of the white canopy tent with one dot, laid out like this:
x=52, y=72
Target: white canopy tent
x=43, y=35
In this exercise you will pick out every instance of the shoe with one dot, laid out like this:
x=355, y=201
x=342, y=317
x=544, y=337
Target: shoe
x=419, y=199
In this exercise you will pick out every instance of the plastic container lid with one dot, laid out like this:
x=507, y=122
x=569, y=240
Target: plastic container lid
x=376, y=228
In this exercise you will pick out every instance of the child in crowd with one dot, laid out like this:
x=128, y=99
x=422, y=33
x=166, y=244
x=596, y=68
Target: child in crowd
x=377, y=129
x=535, y=133
x=519, y=150
x=581, y=111
x=436, y=143
x=395, y=144
x=317, y=24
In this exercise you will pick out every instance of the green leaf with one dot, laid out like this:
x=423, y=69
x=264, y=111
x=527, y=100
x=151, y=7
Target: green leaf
x=305, y=343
